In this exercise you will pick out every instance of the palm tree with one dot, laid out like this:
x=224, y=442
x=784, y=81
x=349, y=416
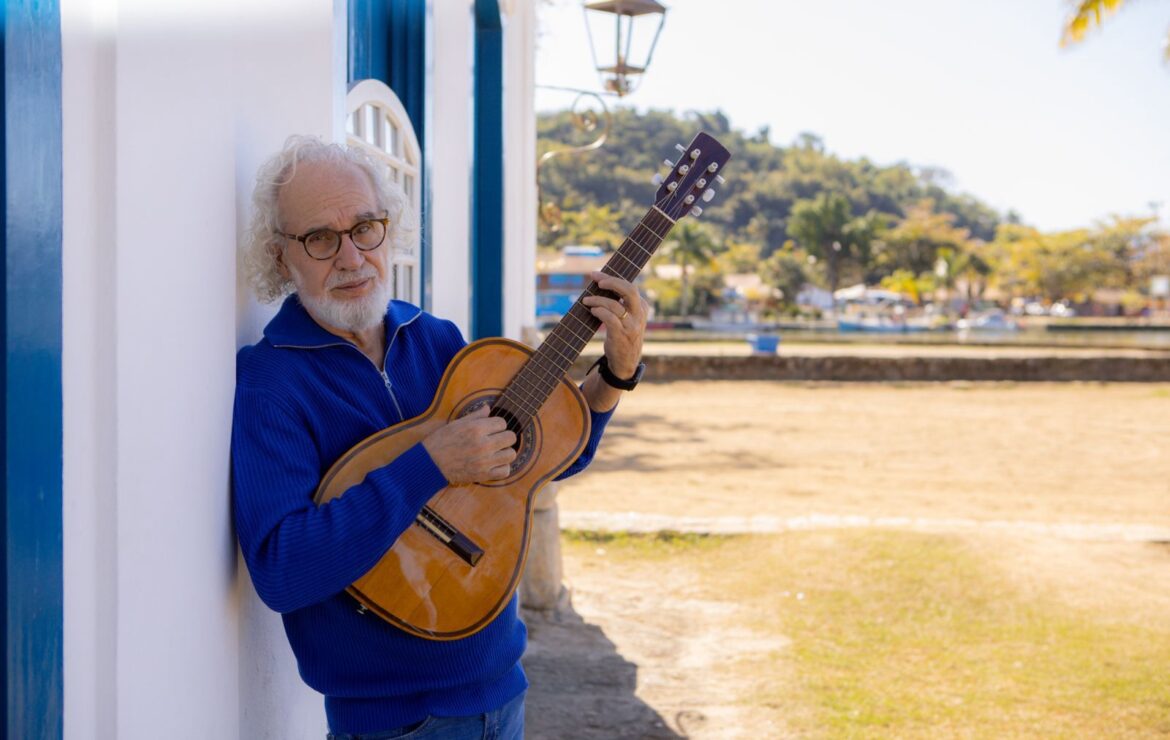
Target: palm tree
x=819, y=226
x=692, y=244
x=1088, y=14
x=825, y=226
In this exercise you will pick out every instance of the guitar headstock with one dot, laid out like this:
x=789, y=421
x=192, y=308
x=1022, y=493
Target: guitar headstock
x=692, y=178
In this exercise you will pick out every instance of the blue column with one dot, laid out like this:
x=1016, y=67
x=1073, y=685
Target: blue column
x=487, y=184
x=31, y=373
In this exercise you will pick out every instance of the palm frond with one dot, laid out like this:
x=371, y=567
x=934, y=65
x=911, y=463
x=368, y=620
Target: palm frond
x=1086, y=15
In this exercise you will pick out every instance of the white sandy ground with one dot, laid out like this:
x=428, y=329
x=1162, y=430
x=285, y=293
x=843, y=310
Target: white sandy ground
x=1065, y=486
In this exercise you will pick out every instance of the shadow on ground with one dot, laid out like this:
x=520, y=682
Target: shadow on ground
x=581, y=687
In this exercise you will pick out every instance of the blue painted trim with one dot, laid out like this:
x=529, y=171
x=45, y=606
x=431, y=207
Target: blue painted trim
x=388, y=41
x=426, y=220
x=31, y=330
x=487, y=214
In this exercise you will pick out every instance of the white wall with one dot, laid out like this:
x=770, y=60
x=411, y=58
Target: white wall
x=168, y=108
x=448, y=136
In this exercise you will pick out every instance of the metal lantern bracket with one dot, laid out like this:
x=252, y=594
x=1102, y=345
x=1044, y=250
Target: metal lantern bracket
x=584, y=120
x=621, y=70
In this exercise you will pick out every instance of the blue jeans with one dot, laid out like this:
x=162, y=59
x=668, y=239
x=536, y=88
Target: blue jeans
x=505, y=723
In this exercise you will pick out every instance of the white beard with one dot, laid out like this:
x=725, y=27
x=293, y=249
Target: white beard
x=354, y=315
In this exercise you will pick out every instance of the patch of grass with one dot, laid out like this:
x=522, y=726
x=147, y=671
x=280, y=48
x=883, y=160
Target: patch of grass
x=914, y=635
x=661, y=543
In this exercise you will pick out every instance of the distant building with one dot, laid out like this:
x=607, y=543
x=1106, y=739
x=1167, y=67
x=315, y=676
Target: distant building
x=560, y=279
x=745, y=297
x=811, y=295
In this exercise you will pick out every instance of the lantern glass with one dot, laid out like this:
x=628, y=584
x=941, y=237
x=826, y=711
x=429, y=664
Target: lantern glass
x=622, y=36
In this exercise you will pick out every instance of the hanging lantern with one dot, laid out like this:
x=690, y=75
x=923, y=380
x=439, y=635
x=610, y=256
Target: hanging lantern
x=634, y=36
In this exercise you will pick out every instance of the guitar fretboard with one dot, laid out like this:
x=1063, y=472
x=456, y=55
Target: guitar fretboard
x=536, y=380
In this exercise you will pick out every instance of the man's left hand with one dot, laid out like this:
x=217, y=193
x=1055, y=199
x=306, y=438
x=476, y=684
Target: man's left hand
x=625, y=322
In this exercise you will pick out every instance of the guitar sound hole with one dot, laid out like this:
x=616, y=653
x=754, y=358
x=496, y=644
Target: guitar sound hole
x=525, y=444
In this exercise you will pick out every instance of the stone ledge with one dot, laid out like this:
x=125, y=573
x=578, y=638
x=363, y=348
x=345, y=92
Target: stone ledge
x=908, y=369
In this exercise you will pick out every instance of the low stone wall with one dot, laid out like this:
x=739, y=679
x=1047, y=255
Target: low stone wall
x=907, y=369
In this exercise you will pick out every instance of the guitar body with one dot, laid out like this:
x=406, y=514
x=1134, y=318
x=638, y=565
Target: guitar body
x=447, y=577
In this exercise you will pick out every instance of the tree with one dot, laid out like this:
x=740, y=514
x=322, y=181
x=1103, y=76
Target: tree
x=1066, y=264
x=904, y=281
x=973, y=268
x=1088, y=14
x=691, y=244
x=740, y=257
x=818, y=225
x=914, y=243
x=826, y=228
x=603, y=193
x=788, y=270
x=596, y=226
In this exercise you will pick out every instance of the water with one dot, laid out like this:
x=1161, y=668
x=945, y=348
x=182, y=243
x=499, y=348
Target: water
x=1113, y=339
x=1151, y=339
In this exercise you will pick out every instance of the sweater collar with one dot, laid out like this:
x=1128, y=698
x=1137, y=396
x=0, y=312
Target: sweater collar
x=294, y=327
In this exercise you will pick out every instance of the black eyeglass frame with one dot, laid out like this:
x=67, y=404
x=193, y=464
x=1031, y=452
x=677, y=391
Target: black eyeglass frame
x=385, y=221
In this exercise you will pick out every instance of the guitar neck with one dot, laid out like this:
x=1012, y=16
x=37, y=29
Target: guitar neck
x=536, y=380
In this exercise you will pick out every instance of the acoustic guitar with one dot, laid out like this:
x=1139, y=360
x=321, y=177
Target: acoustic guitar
x=449, y=575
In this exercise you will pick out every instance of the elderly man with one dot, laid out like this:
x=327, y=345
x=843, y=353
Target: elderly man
x=339, y=362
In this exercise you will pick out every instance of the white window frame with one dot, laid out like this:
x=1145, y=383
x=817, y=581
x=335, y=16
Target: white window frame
x=376, y=122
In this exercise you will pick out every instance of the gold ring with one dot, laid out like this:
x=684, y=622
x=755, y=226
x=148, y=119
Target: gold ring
x=624, y=314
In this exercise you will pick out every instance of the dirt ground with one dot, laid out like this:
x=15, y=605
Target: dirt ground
x=1068, y=484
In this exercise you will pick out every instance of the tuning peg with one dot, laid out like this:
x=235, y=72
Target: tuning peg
x=668, y=163
x=695, y=153
x=719, y=179
x=708, y=196
x=657, y=179
x=681, y=149
x=697, y=211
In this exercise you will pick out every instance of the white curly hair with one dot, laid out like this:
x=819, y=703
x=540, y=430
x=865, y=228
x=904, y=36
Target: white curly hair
x=262, y=243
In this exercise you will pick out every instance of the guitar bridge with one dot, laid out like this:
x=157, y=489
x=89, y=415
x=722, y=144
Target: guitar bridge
x=444, y=532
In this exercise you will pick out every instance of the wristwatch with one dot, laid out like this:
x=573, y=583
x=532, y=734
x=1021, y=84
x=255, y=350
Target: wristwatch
x=610, y=379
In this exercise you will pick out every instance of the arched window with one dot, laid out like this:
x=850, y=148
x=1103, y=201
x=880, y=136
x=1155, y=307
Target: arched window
x=377, y=122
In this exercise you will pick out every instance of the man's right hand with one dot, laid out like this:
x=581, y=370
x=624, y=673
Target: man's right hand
x=474, y=448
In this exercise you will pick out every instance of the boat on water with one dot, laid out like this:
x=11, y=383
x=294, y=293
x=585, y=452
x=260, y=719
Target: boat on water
x=876, y=311
x=988, y=321
x=881, y=324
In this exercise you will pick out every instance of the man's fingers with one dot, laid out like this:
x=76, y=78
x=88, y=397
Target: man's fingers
x=478, y=422
x=617, y=308
x=624, y=288
x=502, y=439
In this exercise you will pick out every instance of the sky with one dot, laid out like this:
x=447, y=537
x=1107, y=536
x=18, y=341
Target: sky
x=1064, y=137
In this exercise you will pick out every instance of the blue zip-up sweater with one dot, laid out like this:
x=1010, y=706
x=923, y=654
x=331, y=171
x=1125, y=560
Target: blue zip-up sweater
x=303, y=397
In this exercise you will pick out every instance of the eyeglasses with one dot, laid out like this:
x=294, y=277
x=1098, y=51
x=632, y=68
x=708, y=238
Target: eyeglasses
x=323, y=244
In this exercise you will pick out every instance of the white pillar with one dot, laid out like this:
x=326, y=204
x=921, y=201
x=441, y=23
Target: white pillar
x=448, y=146
x=519, y=166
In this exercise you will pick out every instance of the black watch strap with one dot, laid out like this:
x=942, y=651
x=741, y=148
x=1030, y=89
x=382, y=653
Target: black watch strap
x=610, y=379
